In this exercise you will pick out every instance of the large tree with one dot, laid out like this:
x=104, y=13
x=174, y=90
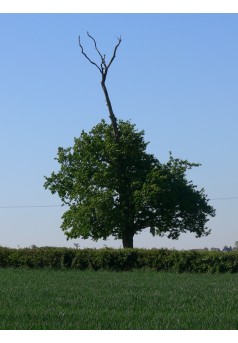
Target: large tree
x=114, y=187
x=106, y=199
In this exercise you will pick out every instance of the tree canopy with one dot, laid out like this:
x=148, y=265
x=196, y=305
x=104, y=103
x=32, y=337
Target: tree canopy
x=113, y=187
x=118, y=189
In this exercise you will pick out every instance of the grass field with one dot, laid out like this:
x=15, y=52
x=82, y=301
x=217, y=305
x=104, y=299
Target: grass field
x=140, y=300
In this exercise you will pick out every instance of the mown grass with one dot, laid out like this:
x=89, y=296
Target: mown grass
x=103, y=300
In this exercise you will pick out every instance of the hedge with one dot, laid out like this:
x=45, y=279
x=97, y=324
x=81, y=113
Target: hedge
x=120, y=259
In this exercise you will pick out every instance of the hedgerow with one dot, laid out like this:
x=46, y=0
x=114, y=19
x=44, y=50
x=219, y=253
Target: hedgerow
x=120, y=259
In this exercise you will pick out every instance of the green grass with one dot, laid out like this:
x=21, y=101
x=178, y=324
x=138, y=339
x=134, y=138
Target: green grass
x=70, y=299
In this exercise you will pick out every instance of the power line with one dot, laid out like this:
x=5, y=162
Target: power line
x=42, y=206
x=228, y=198
x=30, y=206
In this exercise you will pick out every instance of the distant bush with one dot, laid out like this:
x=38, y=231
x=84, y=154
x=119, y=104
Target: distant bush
x=120, y=259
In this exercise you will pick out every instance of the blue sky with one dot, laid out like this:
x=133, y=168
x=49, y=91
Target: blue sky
x=175, y=76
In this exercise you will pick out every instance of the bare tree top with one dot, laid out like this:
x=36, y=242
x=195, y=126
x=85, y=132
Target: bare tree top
x=103, y=67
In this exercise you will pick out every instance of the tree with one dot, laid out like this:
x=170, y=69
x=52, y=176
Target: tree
x=113, y=187
x=145, y=193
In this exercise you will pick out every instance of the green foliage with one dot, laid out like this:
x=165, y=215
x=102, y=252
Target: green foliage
x=121, y=259
x=118, y=189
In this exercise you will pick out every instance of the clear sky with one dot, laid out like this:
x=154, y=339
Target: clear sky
x=175, y=76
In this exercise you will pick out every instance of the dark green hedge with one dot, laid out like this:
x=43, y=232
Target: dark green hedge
x=120, y=259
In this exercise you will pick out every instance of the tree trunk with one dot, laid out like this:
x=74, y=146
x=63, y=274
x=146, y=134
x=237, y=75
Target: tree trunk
x=111, y=114
x=127, y=240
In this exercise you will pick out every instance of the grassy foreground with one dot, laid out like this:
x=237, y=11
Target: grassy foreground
x=140, y=300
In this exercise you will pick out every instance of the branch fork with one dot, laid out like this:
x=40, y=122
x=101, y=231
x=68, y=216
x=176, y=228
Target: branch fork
x=103, y=68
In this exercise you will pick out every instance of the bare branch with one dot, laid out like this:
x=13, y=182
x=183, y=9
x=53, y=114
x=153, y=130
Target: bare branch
x=114, y=53
x=95, y=44
x=103, y=66
x=104, y=70
x=100, y=69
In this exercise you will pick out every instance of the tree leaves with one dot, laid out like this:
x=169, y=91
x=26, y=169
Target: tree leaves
x=118, y=189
